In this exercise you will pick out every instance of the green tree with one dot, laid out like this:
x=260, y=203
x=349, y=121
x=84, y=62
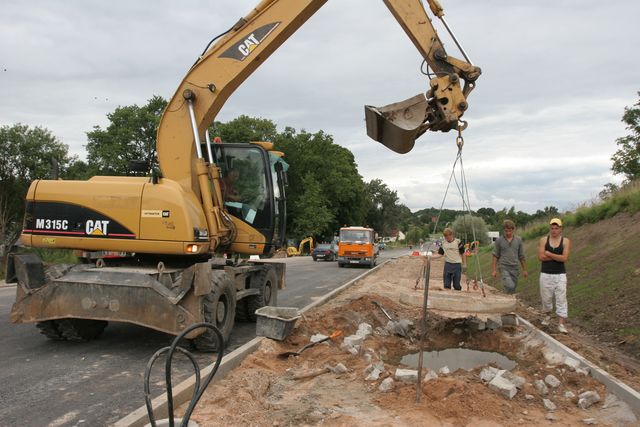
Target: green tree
x=313, y=216
x=404, y=219
x=383, y=212
x=547, y=213
x=131, y=135
x=416, y=234
x=26, y=154
x=79, y=170
x=487, y=214
x=626, y=161
x=333, y=168
x=609, y=190
x=466, y=226
x=244, y=129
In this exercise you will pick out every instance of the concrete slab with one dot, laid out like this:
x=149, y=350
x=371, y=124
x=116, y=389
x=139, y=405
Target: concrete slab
x=465, y=303
x=476, y=298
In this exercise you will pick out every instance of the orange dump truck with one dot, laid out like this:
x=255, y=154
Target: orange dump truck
x=357, y=247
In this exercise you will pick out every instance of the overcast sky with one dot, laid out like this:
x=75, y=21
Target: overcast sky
x=543, y=118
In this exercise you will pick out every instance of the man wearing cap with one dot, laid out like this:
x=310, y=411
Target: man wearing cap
x=508, y=257
x=553, y=252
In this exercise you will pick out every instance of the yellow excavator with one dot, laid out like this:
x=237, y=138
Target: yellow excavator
x=177, y=224
x=293, y=251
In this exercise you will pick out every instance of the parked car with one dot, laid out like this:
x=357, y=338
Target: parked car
x=325, y=251
x=382, y=246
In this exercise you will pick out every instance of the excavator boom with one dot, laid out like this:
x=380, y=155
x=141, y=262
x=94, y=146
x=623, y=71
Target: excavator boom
x=228, y=62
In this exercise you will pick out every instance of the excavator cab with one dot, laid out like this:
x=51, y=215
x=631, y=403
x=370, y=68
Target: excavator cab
x=253, y=190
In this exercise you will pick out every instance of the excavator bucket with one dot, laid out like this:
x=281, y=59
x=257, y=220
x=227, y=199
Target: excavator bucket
x=397, y=125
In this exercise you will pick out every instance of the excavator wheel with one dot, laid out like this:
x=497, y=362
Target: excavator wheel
x=79, y=330
x=220, y=310
x=241, y=311
x=49, y=329
x=267, y=282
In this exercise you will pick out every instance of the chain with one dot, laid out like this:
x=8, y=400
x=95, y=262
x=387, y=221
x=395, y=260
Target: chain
x=459, y=139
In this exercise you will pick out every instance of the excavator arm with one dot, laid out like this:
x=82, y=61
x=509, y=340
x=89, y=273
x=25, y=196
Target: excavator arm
x=398, y=125
x=246, y=45
x=228, y=62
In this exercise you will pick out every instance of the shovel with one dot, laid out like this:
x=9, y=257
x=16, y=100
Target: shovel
x=398, y=328
x=286, y=354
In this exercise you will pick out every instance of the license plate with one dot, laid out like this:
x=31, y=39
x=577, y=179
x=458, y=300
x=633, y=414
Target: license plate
x=354, y=262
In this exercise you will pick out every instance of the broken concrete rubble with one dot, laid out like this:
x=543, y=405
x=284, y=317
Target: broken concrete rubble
x=541, y=387
x=364, y=330
x=386, y=385
x=458, y=398
x=488, y=373
x=517, y=380
x=494, y=322
x=552, y=381
x=549, y=405
x=431, y=375
x=373, y=371
x=503, y=386
x=509, y=319
x=572, y=363
x=406, y=375
x=475, y=324
x=588, y=398
x=552, y=357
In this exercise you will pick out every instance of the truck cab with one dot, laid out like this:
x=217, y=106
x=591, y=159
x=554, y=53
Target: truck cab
x=357, y=247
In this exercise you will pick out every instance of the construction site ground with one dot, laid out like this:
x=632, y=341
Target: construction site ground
x=266, y=390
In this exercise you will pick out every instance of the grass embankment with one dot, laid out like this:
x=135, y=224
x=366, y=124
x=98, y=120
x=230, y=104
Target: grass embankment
x=603, y=269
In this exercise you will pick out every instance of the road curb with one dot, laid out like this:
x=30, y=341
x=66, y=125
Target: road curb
x=184, y=391
x=4, y=284
x=627, y=394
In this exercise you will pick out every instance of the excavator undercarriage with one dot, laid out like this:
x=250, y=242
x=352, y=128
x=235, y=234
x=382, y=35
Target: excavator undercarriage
x=75, y=302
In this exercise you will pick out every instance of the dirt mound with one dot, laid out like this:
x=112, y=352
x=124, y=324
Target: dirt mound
x=314, y=389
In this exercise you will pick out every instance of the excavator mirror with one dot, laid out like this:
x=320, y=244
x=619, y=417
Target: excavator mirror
x=397, y=125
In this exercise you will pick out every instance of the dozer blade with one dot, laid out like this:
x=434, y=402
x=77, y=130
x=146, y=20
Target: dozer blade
x=397, y=125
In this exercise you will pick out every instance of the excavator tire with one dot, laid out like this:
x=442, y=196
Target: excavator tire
x=49, y=329
x=268, y=283
x=219, y=308
x=79, y=330
x=241, y=311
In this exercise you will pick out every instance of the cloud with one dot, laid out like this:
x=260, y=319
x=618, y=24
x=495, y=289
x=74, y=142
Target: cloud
x=543, y=118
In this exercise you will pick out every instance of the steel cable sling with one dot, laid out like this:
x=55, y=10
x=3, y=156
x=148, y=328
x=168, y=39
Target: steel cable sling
x=463, y=189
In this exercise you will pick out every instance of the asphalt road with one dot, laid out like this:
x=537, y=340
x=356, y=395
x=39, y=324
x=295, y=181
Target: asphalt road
x=49, y=383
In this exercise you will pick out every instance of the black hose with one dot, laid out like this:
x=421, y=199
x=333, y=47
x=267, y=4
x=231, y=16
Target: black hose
x=197, y=391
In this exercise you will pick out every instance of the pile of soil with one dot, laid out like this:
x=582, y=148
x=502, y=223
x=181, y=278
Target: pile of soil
x=266, y=390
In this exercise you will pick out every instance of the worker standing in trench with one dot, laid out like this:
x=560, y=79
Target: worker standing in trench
x=454, y=260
